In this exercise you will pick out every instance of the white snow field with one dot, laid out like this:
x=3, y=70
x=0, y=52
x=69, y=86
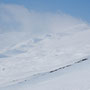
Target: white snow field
x=76, y=77
x=43, y=51
x=53, y=61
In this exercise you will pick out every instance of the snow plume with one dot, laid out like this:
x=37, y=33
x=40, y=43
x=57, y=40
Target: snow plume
x=18, y=23
x=18, y=18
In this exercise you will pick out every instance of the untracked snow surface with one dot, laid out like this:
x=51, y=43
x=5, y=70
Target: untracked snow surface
x=54, y=61
x=75, y=77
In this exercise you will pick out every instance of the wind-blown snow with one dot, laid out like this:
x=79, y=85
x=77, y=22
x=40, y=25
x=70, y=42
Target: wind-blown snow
x=30, y=57
x=26, y=54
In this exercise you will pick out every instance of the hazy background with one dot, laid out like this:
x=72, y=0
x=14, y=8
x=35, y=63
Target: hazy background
x=76, y=8
x=23, y=19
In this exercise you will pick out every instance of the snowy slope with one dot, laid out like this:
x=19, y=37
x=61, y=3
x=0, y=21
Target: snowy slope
x=75, y=77
x=42, y=54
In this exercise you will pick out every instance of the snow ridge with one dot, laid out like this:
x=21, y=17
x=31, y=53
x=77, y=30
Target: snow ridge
x=38, y=75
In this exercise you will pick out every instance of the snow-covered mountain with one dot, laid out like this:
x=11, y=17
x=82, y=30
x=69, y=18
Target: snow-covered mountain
x=26, y=64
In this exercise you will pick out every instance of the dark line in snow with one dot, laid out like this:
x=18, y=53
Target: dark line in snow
x=68, y=65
